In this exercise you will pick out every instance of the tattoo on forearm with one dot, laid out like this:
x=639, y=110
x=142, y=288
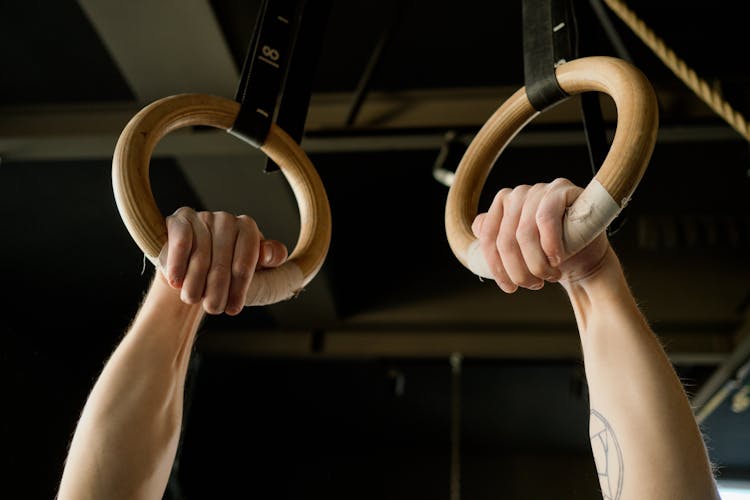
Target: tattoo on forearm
x=607, y=456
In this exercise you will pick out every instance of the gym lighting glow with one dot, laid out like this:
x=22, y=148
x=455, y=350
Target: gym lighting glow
x=734, y=490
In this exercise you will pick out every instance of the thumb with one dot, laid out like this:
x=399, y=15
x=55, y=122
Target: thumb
x=272, y=254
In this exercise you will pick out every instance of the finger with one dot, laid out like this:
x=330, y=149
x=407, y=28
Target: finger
x=507, y=244
x=244, y=263
x=527, y=236
x=224, y=232
x=199, y=260
x=476, y=226
x=272, y=254
x=179, y=246
x=560, y=194
x=487, y=238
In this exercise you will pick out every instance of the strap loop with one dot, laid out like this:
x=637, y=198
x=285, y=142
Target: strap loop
x=264, y=70
x=547, y=28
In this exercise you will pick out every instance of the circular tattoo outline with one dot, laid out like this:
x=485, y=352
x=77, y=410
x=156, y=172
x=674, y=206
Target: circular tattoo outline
x=613, y=493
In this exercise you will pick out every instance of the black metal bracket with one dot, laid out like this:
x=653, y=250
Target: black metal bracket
x=279, y=68
x=398, y=9
x=451, y=152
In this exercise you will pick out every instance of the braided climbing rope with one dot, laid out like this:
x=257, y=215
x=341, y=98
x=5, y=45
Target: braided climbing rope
x=688, y=76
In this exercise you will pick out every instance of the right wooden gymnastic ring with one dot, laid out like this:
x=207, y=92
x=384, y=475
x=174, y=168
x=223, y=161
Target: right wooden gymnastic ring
x=607, y=193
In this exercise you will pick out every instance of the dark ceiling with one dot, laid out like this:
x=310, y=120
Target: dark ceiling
x=346, y=390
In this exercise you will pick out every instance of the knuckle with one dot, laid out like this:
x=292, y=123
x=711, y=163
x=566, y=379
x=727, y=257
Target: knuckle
x=181, y=245
x=183, y=212
x=212, y=307
x=539, y=186
x=248, y=222
x=517, y=196
x=538, y=269
x=503, y=193
x=487, y=238
x=506, y=244
x=205, y=217
x=245, y=219
x=242, y=272
x=526, y=231
x=233, y=309
x=222, y=217
x=544, y=216
x=200, y=262
x=528, y=282
x=190, y=296
x=220, y=268
x=521, y=190
x=561, y=182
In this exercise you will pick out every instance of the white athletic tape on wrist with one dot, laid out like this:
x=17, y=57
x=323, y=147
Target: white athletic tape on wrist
x=476, y=261
x=587, y=217
x=276, y=285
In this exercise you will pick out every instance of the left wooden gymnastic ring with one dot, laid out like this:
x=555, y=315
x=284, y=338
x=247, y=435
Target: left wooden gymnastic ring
x=607, y=193
x=146, y=224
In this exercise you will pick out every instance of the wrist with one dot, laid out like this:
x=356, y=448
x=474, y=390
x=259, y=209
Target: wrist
x=601, y=294
x=585, y=264
x=165, y=298
x=602, y=284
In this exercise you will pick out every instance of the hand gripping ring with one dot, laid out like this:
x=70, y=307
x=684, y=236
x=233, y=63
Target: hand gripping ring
x=607, y=193
x=147, y=226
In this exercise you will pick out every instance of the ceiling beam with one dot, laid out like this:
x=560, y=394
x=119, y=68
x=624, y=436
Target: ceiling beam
x=685, y=348
x=459, y=107
x=87, y=144
x=166, y=47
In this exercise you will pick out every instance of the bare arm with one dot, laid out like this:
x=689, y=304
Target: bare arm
x=644, y=438
x=126, y=439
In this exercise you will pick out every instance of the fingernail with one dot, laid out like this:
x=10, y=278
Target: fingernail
x=537, y=286
x=554, y=260
x=267, y=253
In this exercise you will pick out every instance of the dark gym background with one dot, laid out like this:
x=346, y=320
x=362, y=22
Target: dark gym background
x=345, y=392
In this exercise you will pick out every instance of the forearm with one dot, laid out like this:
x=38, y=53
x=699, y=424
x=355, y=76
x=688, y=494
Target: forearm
x=127, y=436
x=645, y=440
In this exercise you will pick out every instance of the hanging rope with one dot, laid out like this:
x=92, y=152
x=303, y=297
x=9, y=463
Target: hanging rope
x=688, y=76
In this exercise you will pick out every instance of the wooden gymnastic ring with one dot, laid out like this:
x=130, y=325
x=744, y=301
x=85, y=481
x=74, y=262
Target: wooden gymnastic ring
x=146, y=224
x=607, y=193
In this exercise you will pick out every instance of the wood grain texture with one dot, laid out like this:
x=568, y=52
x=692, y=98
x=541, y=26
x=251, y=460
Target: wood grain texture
x=621, y=171
x=132, y=187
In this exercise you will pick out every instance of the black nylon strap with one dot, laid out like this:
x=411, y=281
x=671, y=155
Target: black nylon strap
x=264, y=70
x=546, y=40
x=591, y=110
x=294, y=101
x=593, y=127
